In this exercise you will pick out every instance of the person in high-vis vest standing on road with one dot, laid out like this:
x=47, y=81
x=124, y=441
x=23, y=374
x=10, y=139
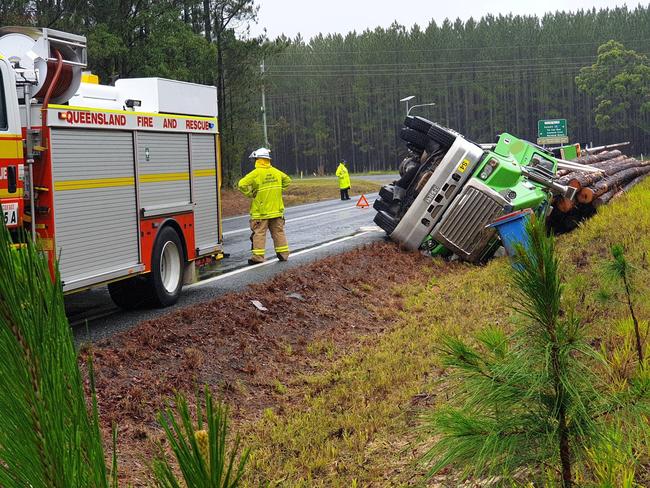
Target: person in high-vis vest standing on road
x=265, y=185
x=344, y=180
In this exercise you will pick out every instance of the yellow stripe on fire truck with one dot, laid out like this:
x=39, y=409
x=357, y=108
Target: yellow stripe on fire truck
x=164, y=177
x=6, y=194
x=200, y=173
x=90, y=184
x=129, y=181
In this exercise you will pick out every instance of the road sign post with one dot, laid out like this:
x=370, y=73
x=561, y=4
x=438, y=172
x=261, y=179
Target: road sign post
x=552, y=131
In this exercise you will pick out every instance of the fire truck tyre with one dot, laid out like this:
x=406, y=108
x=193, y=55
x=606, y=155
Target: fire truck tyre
x=167, y=267
x=129, y=294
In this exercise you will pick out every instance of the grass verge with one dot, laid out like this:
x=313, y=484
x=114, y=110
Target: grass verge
x=307, y=190
x=356, y=425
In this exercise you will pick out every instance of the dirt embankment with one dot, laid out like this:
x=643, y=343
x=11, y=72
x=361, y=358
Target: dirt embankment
x=246, y=355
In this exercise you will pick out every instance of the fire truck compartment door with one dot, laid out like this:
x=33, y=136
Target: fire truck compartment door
x=96, y=218
x=204, y=175
x=163, y=168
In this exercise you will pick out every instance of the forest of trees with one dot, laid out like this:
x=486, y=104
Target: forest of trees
x=337, y=96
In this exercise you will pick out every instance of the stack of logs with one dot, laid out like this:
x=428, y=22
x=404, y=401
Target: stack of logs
x=618, y=173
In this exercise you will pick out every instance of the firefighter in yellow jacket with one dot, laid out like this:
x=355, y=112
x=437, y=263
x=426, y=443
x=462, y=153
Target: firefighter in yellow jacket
x=344, y=180
x=265, y=185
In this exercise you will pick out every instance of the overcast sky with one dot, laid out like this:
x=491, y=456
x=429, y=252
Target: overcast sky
x=309, y=17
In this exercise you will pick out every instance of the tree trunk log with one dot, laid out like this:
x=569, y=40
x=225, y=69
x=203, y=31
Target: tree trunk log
x=564, y=180
x=564, y=205
x=595, y=158
x=617, y=192
x=608, y=168
x=616, y=180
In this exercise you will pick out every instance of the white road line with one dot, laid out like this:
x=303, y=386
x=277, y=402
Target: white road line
x=247, y=229
x=275, y=260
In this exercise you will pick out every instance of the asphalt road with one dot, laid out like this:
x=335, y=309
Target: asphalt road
x=314, y=231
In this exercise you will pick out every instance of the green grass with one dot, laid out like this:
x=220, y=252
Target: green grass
x=307, y=190
x=317, y=189
x=357, y=422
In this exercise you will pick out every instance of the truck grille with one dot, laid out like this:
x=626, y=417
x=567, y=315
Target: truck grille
x=464, y=228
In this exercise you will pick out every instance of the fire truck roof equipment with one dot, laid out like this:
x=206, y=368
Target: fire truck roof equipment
x=32, y=51
x=149, y=95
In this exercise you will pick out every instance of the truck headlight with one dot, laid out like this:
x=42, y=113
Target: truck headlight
x=488, y=169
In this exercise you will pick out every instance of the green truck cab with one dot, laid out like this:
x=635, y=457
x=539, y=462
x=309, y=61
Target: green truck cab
x=450, y=189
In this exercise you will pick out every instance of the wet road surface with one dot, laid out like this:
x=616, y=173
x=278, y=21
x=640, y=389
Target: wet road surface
x=314, y=231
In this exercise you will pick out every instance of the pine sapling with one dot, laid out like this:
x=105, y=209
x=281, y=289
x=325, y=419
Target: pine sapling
x=205, y=455
x=525, y=402
x=620, y=269
x=49, y=437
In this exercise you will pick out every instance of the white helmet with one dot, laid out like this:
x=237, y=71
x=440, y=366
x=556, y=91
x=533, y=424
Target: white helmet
x=261, y=153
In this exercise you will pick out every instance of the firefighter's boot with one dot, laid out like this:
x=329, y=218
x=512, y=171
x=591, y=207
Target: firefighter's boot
x=258, y=240
x=276, y=226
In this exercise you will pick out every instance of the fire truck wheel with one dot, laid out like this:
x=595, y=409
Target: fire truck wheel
x=167, y=266
x=129, y=294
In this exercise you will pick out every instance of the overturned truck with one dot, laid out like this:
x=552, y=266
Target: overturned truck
x=450, y=189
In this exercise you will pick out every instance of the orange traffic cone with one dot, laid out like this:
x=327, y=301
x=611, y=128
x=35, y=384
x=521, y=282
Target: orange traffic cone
x=363, y=202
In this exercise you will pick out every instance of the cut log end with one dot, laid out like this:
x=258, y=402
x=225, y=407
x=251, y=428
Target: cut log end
x=564, y=205
x=586, y=195
x=575, y=183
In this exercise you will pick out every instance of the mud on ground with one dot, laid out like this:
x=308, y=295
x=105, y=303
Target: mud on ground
x=245, y=355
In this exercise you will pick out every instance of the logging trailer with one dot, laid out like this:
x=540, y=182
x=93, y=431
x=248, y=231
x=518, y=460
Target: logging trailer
x=119, y=183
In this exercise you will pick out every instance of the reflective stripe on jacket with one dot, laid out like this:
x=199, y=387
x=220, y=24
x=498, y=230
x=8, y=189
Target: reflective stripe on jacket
x=264, y=185
x=344, y=176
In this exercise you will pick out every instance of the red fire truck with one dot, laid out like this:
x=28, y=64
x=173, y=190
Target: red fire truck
x=120, y=184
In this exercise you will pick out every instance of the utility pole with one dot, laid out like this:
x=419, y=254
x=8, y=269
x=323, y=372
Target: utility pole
x=266, y=133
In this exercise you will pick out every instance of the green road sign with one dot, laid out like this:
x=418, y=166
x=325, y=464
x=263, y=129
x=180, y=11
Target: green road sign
x=553, y=131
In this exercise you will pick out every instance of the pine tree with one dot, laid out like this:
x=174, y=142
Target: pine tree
x=529, y=403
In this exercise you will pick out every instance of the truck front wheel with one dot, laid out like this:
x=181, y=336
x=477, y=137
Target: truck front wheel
x=167, y=267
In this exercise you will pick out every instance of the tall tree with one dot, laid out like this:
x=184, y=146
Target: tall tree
x=619, y=81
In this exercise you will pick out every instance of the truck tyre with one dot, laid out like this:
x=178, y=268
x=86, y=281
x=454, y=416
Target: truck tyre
x=130, y=294
x=417, y=139
x=167, y=267
x=386, y=222
x=386, y=192
x=419, y=124
x=380, y=205
x=439, y=134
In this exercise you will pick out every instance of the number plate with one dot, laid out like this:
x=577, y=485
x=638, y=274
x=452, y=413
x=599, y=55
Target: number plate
x=10, y=212
x=463, y=166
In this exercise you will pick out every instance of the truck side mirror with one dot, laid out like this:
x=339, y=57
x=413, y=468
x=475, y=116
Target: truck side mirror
x=12, y=180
